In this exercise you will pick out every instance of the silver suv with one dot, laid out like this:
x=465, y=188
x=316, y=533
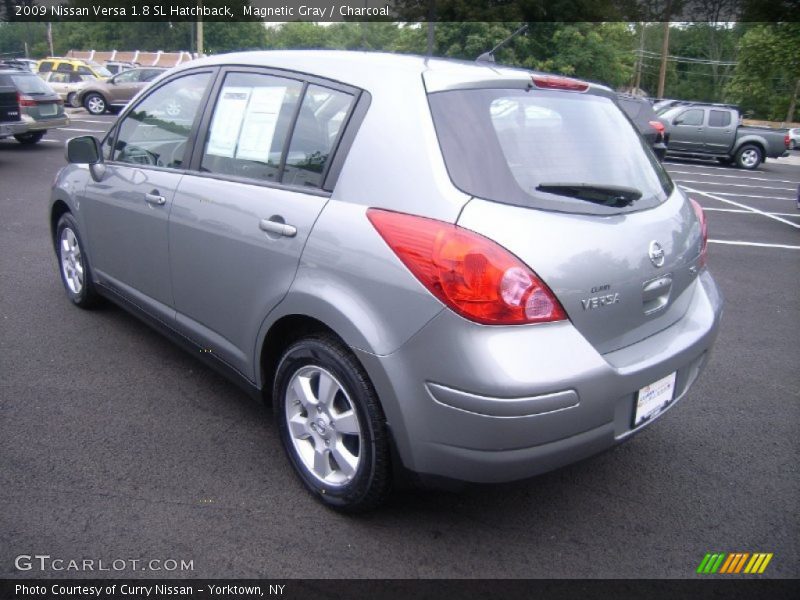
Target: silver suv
x=456, y=270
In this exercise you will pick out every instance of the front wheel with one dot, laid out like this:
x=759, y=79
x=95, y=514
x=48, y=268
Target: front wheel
x=73, y=264
x=33, y=137
x=749, y=157
x=70, y=101
x=95, y=104
x=332, y=425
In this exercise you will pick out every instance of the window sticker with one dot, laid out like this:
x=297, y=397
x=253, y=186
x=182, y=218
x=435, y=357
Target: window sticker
x=260, y=119
x=244, y=122
x=227, y=123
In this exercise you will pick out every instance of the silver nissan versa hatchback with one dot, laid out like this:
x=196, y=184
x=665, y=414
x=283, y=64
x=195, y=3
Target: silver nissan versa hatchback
x=455, y=270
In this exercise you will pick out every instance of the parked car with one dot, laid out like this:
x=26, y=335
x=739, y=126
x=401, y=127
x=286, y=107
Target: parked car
x=794, y=138
x=649, y=125
x=714, y=131
x=69, y=65
x=117, y=66
x=24, y=64
x=10, y=116
x=99, y=96
x=40, y=107
x=66, y=84
x=464, y=271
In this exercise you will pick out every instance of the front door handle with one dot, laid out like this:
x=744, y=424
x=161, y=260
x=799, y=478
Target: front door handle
x=277, y=227
x=155, y=198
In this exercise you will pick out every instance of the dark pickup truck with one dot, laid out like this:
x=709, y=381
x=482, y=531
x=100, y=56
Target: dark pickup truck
x=10, y=118
x=712, y=131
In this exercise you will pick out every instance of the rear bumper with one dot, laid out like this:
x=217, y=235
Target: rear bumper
x=45, y=124
x=13, y=128
x=493, y=404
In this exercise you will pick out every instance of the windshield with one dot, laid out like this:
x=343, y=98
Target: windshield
x=512, y=146
x=31, y=84
x=100, y=69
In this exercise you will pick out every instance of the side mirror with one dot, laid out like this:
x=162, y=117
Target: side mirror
x=84, y=150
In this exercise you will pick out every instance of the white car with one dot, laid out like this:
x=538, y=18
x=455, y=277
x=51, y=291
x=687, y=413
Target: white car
x=794, y=138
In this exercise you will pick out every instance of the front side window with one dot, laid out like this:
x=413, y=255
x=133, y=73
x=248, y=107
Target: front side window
x=45, y=67
x=319, y=122
x=248, y=130
x=692, y=117
x=65, y=67
x=155, y=132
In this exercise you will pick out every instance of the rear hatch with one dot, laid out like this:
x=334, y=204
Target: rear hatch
x=36, y=98
x=561, y=178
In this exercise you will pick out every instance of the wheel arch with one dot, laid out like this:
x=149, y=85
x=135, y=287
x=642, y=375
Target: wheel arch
x=57, y=210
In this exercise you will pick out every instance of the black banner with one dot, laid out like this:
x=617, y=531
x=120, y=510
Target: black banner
x=192, y=589
x=401, y=10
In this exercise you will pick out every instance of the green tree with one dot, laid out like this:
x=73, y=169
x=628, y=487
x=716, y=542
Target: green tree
x=767, y=76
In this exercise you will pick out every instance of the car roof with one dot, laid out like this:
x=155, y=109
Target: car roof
x=366, y=69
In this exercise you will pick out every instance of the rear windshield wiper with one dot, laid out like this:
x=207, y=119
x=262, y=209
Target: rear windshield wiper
x=615, y=196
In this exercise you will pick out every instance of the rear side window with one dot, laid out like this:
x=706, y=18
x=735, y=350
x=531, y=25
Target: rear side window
x=553, y=150
x=319, y=122
x=64, y=67
x=248, y=130
x=719, y=118
x=253, y=118
x=45, y=67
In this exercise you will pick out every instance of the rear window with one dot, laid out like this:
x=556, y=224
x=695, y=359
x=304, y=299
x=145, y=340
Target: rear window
x=551, y=150
x=30, y=84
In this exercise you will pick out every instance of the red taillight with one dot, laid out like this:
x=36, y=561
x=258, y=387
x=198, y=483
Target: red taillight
x=469, y=273
x=555, y=82
x=701, y=216
x=658, y=126
x=24, y=100
x=786, y=140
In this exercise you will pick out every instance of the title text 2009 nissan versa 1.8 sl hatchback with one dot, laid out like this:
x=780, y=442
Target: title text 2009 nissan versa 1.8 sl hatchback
x=451, y=269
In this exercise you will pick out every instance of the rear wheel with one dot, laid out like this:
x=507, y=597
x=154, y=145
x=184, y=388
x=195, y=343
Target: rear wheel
x=749, y=157
x=95, y=104
x=32, y=137
x=73, y=264
x=70, y=99
x=331, y=424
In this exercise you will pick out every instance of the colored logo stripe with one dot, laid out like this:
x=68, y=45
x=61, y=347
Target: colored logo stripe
x=722, y=562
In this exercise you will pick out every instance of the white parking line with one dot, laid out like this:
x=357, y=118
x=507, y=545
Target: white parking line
x=734, y=177
x=747, y=212
x=744, y=206
x=738, y=195
x=702, y=166
x=756, y=244
x=725, y=183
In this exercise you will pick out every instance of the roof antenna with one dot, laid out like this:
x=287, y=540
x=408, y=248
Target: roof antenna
x=488, y=57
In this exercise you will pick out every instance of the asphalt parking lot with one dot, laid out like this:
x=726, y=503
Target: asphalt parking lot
x=115, y=444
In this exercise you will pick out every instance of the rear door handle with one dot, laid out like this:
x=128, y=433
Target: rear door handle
x=274, y=226
x=155, y=198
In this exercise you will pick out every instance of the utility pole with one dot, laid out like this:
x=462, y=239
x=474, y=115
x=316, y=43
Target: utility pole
x=638, y=83
x=662, y=74
x=793, y=103
x=50, y=38
x=200, y=31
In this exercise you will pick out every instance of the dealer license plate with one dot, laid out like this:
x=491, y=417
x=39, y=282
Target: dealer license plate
x=653, y=398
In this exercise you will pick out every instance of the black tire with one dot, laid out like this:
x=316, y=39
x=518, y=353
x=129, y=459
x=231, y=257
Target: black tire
x=369, y=484
x=85, y=295
x=30, y=138
x=95, y=104
x=792, y=145
x=749, y=157
x=70, y=99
